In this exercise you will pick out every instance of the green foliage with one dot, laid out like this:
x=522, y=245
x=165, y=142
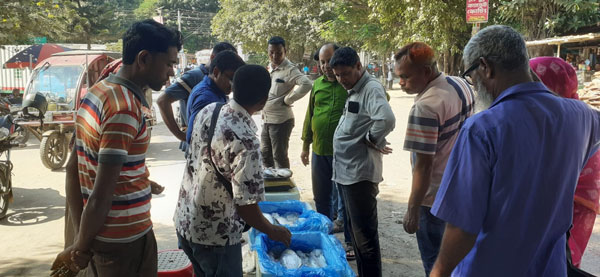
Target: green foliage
x=21, y=20
x=258, y=58
x=115, y=46
x=545, y=18
x=146, y=9
x=252, y=23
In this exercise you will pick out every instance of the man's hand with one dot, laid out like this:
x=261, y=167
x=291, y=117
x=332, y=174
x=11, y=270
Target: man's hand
x=411, y=220
x=385, y=150
x=62, y=263
x=69, y=262
x=80, y=259
x=304, y=158
x=281, y=234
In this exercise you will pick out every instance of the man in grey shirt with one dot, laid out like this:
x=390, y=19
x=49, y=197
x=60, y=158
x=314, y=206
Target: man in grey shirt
x=358, y=146
x=277, y=115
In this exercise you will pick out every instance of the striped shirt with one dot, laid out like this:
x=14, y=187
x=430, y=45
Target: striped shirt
x=434, y=121
x=110, y=129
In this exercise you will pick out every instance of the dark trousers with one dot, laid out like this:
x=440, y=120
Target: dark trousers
x=429, y=237
x=342, y=215
x=322, y=186
x=275, y=141
x=213, y=260
x=138, y=258
x=361, y=215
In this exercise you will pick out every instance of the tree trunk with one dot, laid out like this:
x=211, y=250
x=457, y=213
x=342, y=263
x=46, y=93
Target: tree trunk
x=541, y=50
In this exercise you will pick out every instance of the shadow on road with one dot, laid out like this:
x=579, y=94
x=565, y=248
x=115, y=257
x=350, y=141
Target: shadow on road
x=25, y=267
x=34, y=206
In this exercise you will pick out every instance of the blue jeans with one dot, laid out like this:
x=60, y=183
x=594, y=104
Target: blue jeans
x=429, y=237
x=213, y=260
x=322, y=186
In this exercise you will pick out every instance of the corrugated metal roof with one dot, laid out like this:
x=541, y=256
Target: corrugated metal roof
x=564, y=39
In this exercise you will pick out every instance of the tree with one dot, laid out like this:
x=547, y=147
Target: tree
x=251, y=23
x=382, y=26
x=195, y=15
x=21, y=20
x=539, y=19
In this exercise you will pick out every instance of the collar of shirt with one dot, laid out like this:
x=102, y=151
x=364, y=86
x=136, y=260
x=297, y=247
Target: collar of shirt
x=324, y=79
x=361, y=83
x=283, y=65
x=238, y=108
x=137, y=92
x=204, y=69
x=433, y=82
x=529, y=87
x=213, y=86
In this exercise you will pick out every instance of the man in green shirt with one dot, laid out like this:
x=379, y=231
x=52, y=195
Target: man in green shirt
x=327, y=101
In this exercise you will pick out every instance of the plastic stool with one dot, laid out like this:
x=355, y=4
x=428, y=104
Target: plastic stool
x=174, y=263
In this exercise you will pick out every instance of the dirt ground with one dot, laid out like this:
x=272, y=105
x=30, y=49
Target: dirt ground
x=32, y=233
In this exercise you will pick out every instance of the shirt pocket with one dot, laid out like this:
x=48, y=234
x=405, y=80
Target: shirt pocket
x=350, y=122
x=279, y=85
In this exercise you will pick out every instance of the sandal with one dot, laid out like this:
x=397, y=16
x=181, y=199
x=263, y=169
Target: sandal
x=156, y=188
x=350, y=255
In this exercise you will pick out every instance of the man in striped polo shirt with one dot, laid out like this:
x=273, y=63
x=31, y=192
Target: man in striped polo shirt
x=442, y=104
x=112, y=210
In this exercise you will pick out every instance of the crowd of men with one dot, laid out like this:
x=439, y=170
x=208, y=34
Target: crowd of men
x=490, y=194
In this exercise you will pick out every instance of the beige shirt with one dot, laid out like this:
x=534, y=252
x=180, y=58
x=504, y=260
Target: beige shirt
x=282, y=94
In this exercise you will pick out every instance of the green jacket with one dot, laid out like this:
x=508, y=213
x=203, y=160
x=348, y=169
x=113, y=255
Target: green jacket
x=326, y=106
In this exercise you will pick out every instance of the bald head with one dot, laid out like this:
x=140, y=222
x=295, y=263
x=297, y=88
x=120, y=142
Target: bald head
x=325, y=55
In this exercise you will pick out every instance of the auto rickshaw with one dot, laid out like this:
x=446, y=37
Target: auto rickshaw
x=52, y=98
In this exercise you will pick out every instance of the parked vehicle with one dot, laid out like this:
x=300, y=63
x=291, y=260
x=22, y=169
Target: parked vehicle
x=59, y=83
x=13, y=107
x=7, y=141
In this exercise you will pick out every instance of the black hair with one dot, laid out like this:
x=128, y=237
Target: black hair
x=345, y=56
x=151, y=36
x=226, y=61
x=277, y=41
x=222, y=46
x=251, y=84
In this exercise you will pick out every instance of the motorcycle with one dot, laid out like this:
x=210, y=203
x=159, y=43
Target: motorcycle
x=13, y=107
x=8, y=138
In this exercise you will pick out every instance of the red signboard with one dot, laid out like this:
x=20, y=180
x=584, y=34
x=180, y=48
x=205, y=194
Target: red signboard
x=477, y=11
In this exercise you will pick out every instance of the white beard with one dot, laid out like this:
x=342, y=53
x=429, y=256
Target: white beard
x=483, y=100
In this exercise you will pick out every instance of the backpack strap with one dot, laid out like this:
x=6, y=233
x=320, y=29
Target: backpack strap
x=211, y=131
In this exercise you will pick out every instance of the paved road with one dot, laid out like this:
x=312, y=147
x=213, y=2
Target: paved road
x=32, y=234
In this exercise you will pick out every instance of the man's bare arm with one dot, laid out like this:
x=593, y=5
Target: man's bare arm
x=164, y=102
x=421, y=180
x=456, y=244
x=98, y=205
x=73, y=190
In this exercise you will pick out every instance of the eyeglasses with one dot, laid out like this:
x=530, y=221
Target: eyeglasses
x=467, y=73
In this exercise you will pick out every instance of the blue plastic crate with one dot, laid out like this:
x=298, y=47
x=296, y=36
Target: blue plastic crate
x=334, y=254
x=314, y=221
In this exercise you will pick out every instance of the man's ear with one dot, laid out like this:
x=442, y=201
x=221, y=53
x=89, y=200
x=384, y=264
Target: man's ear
x=359, y=66
x=144, y=58
x=216, y=72
x=488, y=68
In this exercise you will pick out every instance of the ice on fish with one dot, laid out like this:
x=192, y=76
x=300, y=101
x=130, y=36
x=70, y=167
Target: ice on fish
x=289, y=219
x=292, y=260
